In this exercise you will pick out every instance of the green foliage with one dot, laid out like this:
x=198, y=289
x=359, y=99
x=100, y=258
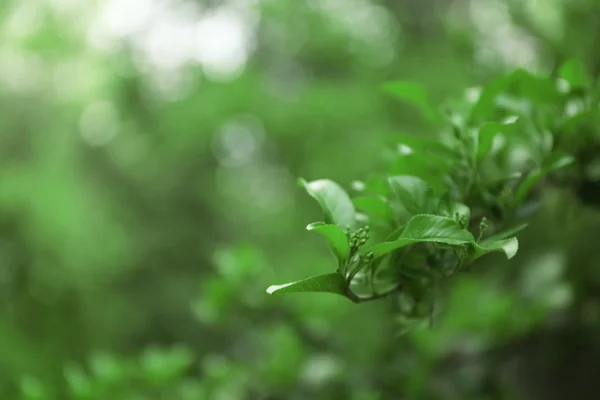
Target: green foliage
x=422, y=236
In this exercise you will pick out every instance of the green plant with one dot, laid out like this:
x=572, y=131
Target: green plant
x=445, y=201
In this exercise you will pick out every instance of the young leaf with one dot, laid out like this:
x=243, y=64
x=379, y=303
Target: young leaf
x=508, y=246
x=426, y=228
x=336, y=237
x=330, y=283
x=414, y=193
x=413, y=93
x=334, y=201
x=377, y=208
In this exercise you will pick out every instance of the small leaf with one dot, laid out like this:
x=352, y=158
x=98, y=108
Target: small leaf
x=555, y=162
x=330, y=283
x=336, y=237
x=414, y=93
x=334, y=201
x=426, y=228
x=377, y=208
x=508, y=246
x=574, y=72
x=414, y=194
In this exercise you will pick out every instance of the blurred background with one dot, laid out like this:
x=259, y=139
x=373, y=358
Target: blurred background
x=149, y=151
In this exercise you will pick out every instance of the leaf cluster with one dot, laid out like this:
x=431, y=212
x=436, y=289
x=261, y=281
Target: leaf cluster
x=447, y=200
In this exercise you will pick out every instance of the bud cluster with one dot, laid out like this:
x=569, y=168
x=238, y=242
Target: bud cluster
x=358, y=238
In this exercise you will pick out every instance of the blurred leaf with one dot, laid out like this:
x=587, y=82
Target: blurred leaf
x=414, y=93
x=338, y=241
x=414, y=194
x=331, y=283
x=377, y=208
x=451, y=209
x=78, y=382
x=334, y=201
x=574, y=72
x=505, y=234
x=487, y=134
x=426, y=228
x=556, y=161
x=32, y=388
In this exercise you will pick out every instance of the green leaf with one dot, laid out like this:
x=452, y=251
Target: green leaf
x=330, y=283
x=487, y=134
x=451, y=209
x=504, y=234
x=426, y=228
x=555, y=162
x=414, y=194
x=574, y=72
x=414, y=93
x=537, y=89
x=336, y=237
x=508, y=246
x=334, y=201
x=376, y=208
x=422, y=145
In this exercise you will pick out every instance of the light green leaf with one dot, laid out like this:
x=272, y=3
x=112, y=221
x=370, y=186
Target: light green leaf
x=574, y=72
x=508, y=246
x=336, y=237
x=376, y=208
x=334, y=201
x=330, y=283
x=414, y=93
x=414, y=194
x=555, y=162
x=426, y=228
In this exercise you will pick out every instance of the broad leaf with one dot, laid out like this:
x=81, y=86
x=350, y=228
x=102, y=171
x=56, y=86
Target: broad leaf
x=413, y=193
x=508, y=246
x=334, y=201
x=426, y=228
x=330, y=283
x=414, y=93
x=555, y=162
x=338, y=241
x=377, y=208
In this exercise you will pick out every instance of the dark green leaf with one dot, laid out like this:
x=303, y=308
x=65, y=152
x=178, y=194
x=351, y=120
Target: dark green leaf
x=334, y=201
x=426, y=228
x=330, y=283
x=413, y=193
x=336, y=237
x=414, y=93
